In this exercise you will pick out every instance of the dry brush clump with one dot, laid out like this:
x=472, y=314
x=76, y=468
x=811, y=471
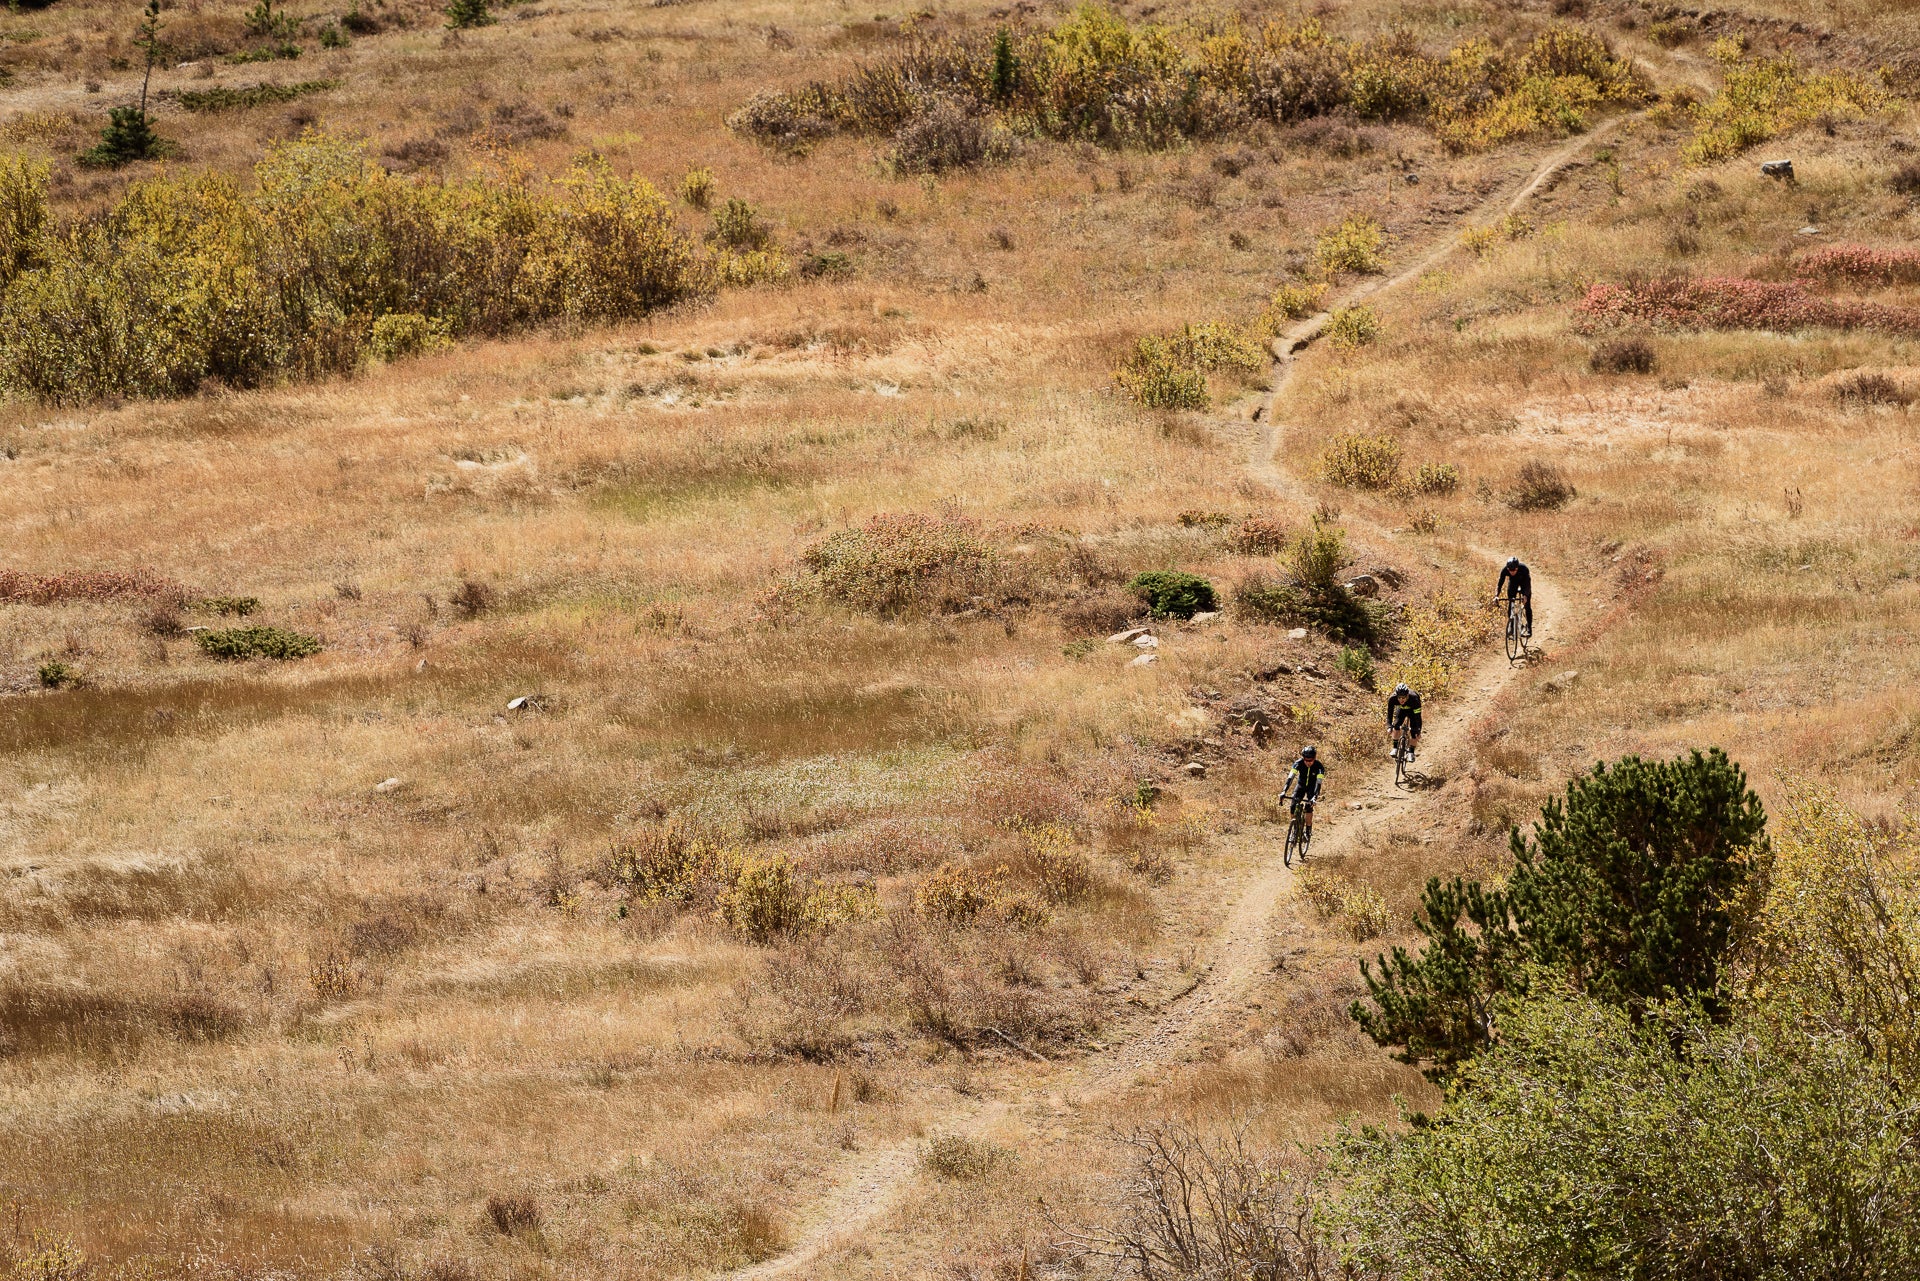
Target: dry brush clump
x=1198, y=1205
x=898, y=561
x=92, y=585
x=1357, y=907
x=761, y=897
x=1310, y=594
x=1099, y=77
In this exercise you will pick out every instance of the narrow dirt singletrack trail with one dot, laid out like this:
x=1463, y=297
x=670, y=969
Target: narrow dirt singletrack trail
x=876, y=1182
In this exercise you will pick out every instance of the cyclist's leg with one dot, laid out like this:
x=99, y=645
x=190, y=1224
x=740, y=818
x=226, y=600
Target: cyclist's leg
x=1528, y=598
x=1413, y=736
x=1309, y=818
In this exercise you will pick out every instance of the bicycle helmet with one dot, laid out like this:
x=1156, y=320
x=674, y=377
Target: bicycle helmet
x=1308, y=751
x=1400, y=689
x=1512, y=561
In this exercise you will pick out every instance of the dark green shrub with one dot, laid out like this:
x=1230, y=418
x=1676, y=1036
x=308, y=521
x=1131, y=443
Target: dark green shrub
x=1172, y=593
x=128, y=137
x=228, y=606
x=256, y=642
x=1629, y=888
x=1003, y=80
x=224, y=98
x=468, y=13
x=54, y=674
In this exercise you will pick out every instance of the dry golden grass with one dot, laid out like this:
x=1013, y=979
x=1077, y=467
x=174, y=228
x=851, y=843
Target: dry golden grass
x=257, y=1013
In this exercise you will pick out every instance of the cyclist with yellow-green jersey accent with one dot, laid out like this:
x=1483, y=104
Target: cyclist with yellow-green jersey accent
x=1304, y=782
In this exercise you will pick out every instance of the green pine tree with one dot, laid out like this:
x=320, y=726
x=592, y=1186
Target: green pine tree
x=1628, y=888
x=129, y=134
x=468, y=13
x=1006, y=67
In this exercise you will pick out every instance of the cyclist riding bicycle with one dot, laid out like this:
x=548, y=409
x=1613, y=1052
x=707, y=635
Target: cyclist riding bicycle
x=1403, y=708
x=1516, y=580
x=1303, y=784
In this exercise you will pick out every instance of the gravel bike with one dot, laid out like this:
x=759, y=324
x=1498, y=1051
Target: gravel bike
x=1402, y=753
x=1518, y=633
x=1299, y=833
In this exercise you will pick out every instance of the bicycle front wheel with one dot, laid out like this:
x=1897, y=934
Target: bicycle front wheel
x=1515, y=645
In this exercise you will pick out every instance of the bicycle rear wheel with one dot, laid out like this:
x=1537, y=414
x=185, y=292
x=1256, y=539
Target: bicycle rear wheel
x=1293, y=841
x=1399, y=762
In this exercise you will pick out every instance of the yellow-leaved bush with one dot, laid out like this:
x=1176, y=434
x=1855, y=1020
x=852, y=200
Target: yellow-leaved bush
x=195, y=279
x=1838, y=943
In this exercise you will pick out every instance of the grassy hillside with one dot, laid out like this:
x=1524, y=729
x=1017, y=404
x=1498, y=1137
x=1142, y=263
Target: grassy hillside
x=688, y=811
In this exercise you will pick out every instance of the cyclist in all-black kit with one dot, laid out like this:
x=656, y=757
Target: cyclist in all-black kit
x=1403, y=708
x=1303, y=784
x=1516, y=580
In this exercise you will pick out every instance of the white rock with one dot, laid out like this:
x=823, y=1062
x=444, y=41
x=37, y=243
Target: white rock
x=387, y=786
x=1206, y=616
x=1147, y=642
x=1298, y=633
x=1122, y=638
x=519, y=702
x=1195, y=768
x=1568, y=676
x=1144, y=659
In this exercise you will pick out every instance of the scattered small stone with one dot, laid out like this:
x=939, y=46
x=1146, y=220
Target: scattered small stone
x=1565, y=677
x=1298, y=633
x=1206, y=616
x=1365, y=585
x=1273, y=672
x=1808, y=231
x=1144, y=660
x=387, y=785
x=1195, y=769
x=1777, y=168
x=1212, y=742
x=1147, y=642
x=1127, y=637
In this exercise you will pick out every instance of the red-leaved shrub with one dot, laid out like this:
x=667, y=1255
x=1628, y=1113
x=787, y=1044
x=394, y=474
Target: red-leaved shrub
x=1861, y=265
x=1726, y=302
